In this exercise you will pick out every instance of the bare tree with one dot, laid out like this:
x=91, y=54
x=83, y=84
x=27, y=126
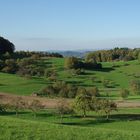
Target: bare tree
x=17, y=104
x=35, y=106
x=63, y=107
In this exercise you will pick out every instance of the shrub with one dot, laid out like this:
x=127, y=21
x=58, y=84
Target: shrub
x=17, y=104
x=94, y=92
x=63, y=107
x=35, y=106
x=82, y=103
x=63, y=92
x=2, y=108
x=48, y=91
x=106, y=107
x=71, y=63
x=10, y=66
x=124, y=93
x=135, y=86
x=77, y=71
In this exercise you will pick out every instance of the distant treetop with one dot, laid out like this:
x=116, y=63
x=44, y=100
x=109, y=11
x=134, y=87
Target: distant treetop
x=6, y=46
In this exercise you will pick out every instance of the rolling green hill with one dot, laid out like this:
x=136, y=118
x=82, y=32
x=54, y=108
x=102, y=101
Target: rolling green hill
x=118, y=73
x=125, y=125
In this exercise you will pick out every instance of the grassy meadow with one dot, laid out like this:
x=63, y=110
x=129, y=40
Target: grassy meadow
x=124, y=124
x=48, y=125
x=118, y=73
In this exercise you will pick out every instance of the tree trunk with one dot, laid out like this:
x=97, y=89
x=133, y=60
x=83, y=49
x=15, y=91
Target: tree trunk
x=34, y=115
x=84, y=113
x=16, y=113
x=107, y=117
x=61, y=118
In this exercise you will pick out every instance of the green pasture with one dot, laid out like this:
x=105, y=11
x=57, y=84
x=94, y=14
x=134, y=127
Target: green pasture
x=119, y=73
x=124, y=125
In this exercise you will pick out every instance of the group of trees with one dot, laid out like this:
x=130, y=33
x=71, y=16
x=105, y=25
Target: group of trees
x=65, y=90
x=25, y=66
x=113, y=55
x=18, y=104
x=85, y=102
x=78, y=64
x=21, y=62
x=25, y=54
x=8, y=47
x=59, y=89
x=29, y=67
x=82, y=104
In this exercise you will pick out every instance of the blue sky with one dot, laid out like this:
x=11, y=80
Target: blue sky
x=70, y=24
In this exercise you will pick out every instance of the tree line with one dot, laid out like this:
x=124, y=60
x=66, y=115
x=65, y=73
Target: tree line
x=115, y=54
x=83, y=103
x=21, y=62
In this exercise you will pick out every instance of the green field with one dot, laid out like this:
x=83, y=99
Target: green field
x=123, y=125
x=47, y=126
x=120, y=75
x=19, y=85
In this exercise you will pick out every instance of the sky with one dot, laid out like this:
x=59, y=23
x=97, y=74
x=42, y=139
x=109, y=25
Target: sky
x=42, y=25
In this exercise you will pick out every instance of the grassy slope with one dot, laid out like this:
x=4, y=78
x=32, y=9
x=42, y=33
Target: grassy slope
x=25, y=127
x=121, y=76
x=19, y=85
x=40, y=128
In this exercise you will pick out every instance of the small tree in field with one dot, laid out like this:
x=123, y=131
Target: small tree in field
x=124, y=93
x=107, y=107
x=135, y=86
x=34, y=106
x=71, y=63
x=63, y=107
x=17, y=104
x=82, y=103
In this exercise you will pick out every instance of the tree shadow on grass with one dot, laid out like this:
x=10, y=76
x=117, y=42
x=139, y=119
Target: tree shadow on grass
x=104, y=69
x=44, y=115
x=88, y=122
x=94, y=120
x=85, y=85
x=9, y=113
x=38, y=80
x=2, y=84
x=74, y=82
x=125, y=117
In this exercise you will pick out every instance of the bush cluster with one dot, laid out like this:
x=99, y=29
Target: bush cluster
x=65, y=90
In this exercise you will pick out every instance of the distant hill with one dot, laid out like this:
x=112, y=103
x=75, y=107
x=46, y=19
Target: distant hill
x=77, y=53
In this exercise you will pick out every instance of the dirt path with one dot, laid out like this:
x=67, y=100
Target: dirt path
x=49, y=103
x=52, y=103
